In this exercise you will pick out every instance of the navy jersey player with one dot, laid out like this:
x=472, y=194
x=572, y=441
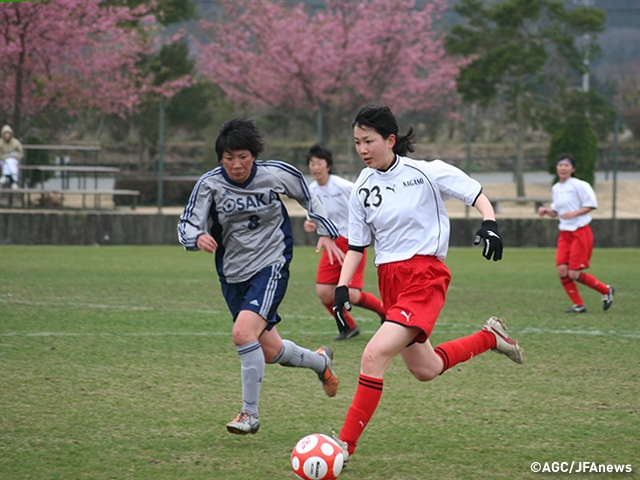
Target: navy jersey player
x=399, y=204
x=235, y=211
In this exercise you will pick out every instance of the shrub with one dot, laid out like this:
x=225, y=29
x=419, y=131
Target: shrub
x=577, y=138
x=36, y=157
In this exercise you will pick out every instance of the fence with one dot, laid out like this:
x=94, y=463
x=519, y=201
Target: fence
x=103, y=228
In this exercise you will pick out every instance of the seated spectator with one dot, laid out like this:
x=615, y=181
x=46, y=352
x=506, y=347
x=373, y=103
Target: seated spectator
x=11, y=153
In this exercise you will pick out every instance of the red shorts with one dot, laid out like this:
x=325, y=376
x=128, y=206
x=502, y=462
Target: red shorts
x=575, y=248
x=415, y=291
x=330, y=274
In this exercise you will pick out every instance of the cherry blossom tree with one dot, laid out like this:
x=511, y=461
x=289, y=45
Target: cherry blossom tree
x=71, y=54
x=266, y=52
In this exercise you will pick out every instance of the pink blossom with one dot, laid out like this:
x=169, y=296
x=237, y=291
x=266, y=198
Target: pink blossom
x=70, y=54
x=263, y=52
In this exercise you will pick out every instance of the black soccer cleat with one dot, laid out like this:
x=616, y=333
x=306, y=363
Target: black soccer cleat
x=607, y=298
x=576, y=309
x=352, y=332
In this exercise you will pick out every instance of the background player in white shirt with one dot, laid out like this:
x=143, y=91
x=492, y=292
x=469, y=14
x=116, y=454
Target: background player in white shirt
x=399, y=202
x=572, y=202
x=235, y=211
x=334, y=192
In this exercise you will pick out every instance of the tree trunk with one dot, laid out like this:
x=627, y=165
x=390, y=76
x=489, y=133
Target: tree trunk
x=17, y=102
x=320, y=125
x=519, y=162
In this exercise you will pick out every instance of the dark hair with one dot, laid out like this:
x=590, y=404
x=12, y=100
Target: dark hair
x=239, y=134
x=319, y=151
x=380, y=119
x=568, y=158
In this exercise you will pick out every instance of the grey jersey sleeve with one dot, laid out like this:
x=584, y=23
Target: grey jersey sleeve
x=295, y=186
x=194, y=219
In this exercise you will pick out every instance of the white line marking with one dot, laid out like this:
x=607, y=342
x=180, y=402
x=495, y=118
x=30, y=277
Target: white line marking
x=442, y=326
x=526, y=331
x=102, y=306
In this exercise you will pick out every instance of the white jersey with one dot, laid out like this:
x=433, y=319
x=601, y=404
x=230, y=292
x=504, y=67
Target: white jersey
x=334, y=196
x=403, y=208
x=569, y=196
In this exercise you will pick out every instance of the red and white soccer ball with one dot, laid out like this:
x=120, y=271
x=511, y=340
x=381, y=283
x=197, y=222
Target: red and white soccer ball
x=317, y=457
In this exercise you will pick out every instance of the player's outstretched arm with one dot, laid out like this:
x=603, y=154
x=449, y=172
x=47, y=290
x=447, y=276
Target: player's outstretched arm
x=341, y=296
x=542, y=211
x=334, y=252
x=488, y=234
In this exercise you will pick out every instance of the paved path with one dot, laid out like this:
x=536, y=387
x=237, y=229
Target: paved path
x=544, y=177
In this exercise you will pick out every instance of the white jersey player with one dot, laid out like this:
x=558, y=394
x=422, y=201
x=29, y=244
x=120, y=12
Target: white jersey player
x=573, y=200
x=334, y=192
x=235, y=211
x=399, y=203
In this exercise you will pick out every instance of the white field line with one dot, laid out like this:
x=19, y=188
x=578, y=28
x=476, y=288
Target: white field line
x=106, y=307
x=588, y=333
x=442, y=326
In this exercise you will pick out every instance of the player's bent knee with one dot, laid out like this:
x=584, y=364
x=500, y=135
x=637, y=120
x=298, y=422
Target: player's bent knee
x=424, y=374
x=242, y=336
x=325, y=292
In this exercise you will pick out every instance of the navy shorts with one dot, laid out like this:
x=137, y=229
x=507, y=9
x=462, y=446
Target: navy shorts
x=261, y=294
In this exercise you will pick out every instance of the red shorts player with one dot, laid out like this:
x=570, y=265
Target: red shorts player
x=399, y=203
x=573, y=201
x=334, y=192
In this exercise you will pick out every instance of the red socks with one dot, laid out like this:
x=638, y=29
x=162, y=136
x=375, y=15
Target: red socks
x=463, y=349
x=369, y=389
x=364, y=404
x=592, y=282
x=373, y=303
x=350, y=321
x=571, y=289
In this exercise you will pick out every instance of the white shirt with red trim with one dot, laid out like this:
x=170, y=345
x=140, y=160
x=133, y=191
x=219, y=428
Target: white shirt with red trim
x=569, y=196
x=334, y=196
x=403, y=208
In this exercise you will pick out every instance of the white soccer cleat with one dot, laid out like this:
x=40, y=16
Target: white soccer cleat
x=245, y=423
x=345, y=450
x=504, y=343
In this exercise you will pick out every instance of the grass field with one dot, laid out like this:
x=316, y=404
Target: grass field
x=117, y=363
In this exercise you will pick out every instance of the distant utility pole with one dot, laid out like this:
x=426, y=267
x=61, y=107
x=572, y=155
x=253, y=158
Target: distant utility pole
x=160, y=155
x=587, y=38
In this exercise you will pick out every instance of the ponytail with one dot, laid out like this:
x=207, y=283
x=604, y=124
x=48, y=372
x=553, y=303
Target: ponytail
x=405, y=143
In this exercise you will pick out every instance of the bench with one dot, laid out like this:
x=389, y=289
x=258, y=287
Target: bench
x=537, y=202
x=82, y=171
x=97, y=193
x=84, y=149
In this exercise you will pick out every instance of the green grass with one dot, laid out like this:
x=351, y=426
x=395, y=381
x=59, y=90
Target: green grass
x=117, y=363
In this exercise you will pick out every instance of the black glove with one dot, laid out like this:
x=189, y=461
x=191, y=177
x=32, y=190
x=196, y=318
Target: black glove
x=340, y=302
x=492, y=240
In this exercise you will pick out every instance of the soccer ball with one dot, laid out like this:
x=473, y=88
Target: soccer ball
x=317, y=457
